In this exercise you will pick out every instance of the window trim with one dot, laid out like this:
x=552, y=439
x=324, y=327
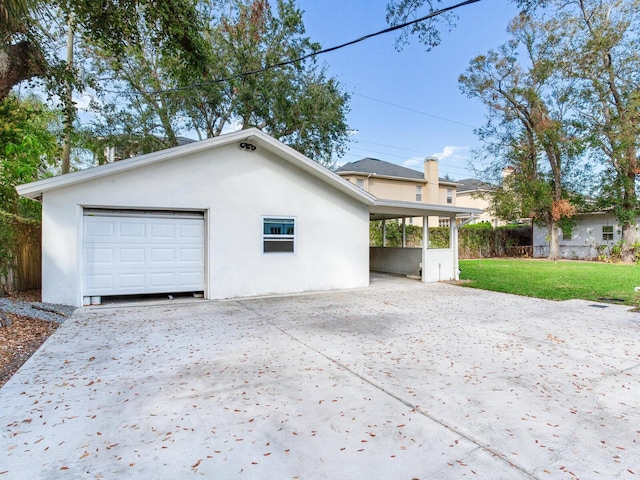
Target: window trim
x=360, y=183
x=418, y=193
x=608, y=235
x=450, y=195
x=282, y=237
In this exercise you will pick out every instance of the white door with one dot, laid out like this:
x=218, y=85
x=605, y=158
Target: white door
x=133, y=252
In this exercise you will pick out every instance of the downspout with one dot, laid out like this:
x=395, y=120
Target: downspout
x=456, y=265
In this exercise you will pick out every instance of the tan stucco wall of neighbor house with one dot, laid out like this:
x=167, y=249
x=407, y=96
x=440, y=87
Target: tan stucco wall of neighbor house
x=395, y=189
x=467, y=199
x=235, y=188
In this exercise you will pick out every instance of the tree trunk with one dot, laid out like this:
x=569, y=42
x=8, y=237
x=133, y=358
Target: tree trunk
x=629, y=242
x=554, y=247
x=19, y=62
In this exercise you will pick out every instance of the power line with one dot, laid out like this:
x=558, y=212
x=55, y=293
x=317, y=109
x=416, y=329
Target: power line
x=421, y=152
x=413, y=110
x=312, y=54
x=447, y=167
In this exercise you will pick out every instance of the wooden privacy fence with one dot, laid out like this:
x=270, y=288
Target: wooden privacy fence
x=21, y=254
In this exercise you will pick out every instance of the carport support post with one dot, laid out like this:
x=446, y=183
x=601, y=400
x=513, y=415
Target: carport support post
x=453, y=235
x=425, y=245
x=384, y=233
x=404, y=232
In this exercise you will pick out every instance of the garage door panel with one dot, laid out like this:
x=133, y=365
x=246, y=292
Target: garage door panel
x=123, y=255
x=190, y=231
x=159, y=255
x=132, y=255
x=191, y=255
x=133, y=230
x=162, y=230
x=99, y=256
x=98, y=231
x=104, y=281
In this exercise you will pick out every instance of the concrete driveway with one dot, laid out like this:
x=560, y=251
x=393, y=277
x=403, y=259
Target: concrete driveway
x=398, y=381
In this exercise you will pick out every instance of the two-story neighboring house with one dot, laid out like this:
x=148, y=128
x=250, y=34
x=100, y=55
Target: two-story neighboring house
x=474, y=193
x=393, y=182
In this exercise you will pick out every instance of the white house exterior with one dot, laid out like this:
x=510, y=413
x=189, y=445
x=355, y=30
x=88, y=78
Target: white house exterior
x=592, y=231
x=236, y=215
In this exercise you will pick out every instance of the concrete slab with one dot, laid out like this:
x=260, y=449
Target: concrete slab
x=400, y=380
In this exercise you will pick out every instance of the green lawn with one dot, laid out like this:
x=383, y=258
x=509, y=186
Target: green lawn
x=562, y=280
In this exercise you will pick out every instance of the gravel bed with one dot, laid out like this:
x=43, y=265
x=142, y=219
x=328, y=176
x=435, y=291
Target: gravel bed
x=41, y=311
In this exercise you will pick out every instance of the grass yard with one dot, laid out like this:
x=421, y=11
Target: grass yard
x=562, y=280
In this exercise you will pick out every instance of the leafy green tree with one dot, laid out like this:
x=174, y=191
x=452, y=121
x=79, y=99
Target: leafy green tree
x=599, y=51
x=173, y=26
x=28, y=146
x=527, y=128
x=296, y=103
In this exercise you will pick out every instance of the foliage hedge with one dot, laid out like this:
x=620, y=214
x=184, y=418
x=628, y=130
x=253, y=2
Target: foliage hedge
x=478, y=240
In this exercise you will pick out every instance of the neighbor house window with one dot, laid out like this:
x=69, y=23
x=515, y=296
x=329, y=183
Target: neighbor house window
x=607, y=232
x=278, y=235
x=444, y=222
x=418, y=193
x=567, y=232
x=360, y=183
x=449, y=195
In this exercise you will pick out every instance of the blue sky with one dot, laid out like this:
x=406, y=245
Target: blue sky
x=376, y=75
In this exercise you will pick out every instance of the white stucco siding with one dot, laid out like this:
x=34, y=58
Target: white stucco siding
x=235, y=189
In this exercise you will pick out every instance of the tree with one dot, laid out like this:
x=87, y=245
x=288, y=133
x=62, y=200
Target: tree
x=601, y=52
x=173, y=26
x=28, y=146
x=20, y=55
x=296, y=103
x=527, y=128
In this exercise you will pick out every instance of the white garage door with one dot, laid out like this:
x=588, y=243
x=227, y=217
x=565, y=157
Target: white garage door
x=133, y=252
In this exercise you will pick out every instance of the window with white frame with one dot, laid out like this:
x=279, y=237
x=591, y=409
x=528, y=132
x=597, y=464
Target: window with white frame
x=449, y=195
x=278, y=235
x=360, y=183
x=444, y=222
x=607, y=232
x=418, y=193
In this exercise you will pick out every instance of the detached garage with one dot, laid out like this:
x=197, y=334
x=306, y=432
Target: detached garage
x=237, y=215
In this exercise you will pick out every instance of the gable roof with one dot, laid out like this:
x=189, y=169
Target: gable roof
x=472, y=185
x=380, y=167
x=252, y=135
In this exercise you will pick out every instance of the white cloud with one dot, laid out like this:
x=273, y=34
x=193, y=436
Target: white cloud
x=452, y=152
x=414, y=162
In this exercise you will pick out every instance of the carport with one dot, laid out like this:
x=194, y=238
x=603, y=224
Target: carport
x=430, y=264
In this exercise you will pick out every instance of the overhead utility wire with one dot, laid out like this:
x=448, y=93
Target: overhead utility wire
x=413, y=110
x=312, y=54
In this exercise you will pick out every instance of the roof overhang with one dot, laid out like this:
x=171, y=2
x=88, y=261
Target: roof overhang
x=387, y=209
x=255, y=136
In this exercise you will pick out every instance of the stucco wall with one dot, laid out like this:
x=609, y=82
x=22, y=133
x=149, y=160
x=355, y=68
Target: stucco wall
x=394, y=189
x=586, y=237
x=440, y=265
x=236, y=189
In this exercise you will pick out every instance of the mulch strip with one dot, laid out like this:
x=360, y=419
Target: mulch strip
x=19, y=341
